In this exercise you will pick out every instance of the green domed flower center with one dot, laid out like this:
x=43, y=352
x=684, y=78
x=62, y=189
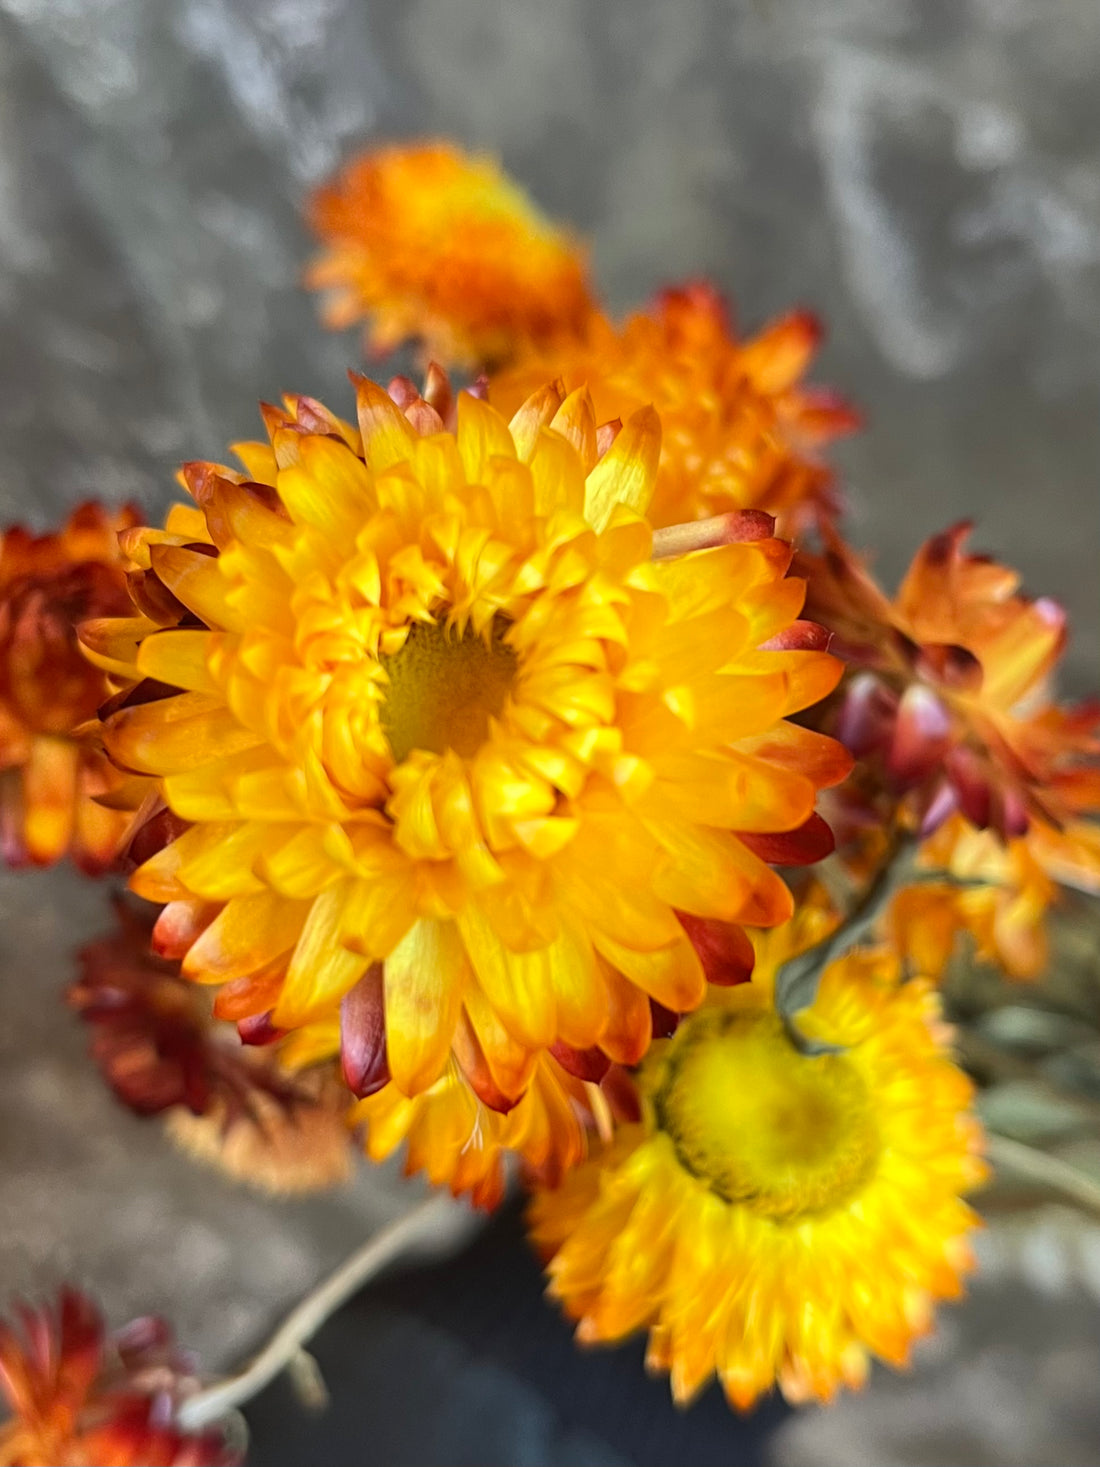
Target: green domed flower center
x=443, y=687
x=783, y=1133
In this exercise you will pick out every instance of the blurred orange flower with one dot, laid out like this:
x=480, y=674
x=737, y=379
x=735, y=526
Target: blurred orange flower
x=48, y=780
x=741, y=429
x=81, y=1398
x=432, y=243
x=162, y=1052
x=950, y=696
x=996, y=891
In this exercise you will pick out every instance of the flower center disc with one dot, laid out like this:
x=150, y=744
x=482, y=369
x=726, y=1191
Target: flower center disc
x=784, y=1133
x=443, y=687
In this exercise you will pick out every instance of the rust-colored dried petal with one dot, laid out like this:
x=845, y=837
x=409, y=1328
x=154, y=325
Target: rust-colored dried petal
x=363, y=1035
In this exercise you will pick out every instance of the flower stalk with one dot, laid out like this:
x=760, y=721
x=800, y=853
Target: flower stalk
x=434, y=1225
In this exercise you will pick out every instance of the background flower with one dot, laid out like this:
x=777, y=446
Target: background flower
x=49, y=779
x=162, y=1053
x=432, y=243
x=741, y=429
x=952, y=688
x=81, y=1397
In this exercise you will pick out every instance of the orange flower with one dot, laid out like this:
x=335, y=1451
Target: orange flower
x=740, y=429
x=1008, y=889
x=458, y=1141
x=81, y=1399
x=427, y=701
x=432, y=243
x=49, y=781
x=950, y=699
x=161, y=1052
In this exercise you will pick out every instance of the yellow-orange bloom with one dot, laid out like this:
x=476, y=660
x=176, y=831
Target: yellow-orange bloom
x=951, y=696
x=776, y=1217
x=49, y=780
x=431, y=243
x=740, y=428
x=440, y=711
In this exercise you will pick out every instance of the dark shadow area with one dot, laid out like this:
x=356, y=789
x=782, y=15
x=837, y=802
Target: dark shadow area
x=464, y=1364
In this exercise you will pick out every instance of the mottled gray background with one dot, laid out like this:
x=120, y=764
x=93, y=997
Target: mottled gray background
x=925, y=173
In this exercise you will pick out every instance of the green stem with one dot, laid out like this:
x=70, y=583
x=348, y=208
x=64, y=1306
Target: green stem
x=798, y=980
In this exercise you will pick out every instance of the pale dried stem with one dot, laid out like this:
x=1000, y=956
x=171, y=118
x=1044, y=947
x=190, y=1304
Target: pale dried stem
x=1038, y=1166
x=694, y=535
x=430, y=1225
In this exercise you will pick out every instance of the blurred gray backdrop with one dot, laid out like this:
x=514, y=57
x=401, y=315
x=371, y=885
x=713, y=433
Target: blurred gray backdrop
x=924, y=173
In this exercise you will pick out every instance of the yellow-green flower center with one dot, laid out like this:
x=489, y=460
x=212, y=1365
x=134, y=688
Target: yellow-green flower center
x=784, y=1133
x=444, y=686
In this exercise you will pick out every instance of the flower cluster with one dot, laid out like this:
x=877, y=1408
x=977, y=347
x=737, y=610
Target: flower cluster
x=467, y=750
x=431, y=243
x=949, y=710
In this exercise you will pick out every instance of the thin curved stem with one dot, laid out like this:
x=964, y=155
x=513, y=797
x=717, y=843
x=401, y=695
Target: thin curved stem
x=797, y=982
x=417, y=1229
x=1051, y=1171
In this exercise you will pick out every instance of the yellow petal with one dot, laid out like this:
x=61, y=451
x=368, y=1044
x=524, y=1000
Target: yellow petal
x=388, y=436
x=250, y=933
x=178, y=658
x=258, y=460
x=328, y=488
x=175, y=734
x=482, y=436
x=196, y=580
x=111, y=642
x=532, y=416
x=672, y=975
x=712, y=874
x=557, y=474
x=627, y=473
x=322, y=969
x=575, y=420
x=520, y=986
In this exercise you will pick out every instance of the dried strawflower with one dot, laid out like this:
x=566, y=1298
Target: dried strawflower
x=49, y=780
x=162, y=1053
x=950, y=693
x=777, y=1216
x=441, y=711
x=82, y=1398
x=431, y=243
x=741, y=429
